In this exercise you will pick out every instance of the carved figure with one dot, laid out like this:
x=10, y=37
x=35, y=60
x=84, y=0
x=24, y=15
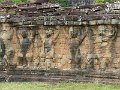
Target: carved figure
x=26, y=40
x=49, y=40
x=6, y=36
x=108, y=35
x=24, y=45
x=75, y=40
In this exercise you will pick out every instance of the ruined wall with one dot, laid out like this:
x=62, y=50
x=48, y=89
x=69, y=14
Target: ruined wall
x=47, y=36
x=85, y=46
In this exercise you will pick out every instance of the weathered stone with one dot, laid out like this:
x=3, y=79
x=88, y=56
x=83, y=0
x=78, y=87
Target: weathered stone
x=114, y=21
x=65, y=42
x=84, y=23
x=107, y=21
x=100, y=21
x=92, y=56
x=92, y=22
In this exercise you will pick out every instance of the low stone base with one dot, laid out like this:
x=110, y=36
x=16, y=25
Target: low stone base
x=23, y=75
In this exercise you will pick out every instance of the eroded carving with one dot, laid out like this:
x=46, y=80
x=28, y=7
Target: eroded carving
x=49, y=40
x=108, y=36
x=26, y=40
x=75, y=40
x=6, y=37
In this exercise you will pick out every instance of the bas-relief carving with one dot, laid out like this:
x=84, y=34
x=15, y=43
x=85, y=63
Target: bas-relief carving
x=76, y=37
x=26, y=39
x=6, y=37
x=92, y=58
x=38, y=46
x=48, y=42
x=108, y=35
x=37, y=43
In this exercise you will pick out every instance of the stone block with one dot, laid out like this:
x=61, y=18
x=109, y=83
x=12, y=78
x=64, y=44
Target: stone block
x=69, y=18
x=93, y=22
x=53, y=22
x=107, y=21
x=84, y=23
x=61, y=23
x=114, y=21
x=76, y=23
x=100, y=21
x=41, y=18
x=46, y=22
x=53, y=18
x=69, y=23
x=40, y=22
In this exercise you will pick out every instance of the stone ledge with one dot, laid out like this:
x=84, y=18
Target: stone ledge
x=59, y=76
x=60, y=20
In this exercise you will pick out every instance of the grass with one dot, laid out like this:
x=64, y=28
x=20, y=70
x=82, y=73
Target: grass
x=56, y=86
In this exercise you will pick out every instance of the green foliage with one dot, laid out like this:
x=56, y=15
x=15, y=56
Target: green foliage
x=100, y=1
x=61, y=2
x=104, y=1
x=19, y=0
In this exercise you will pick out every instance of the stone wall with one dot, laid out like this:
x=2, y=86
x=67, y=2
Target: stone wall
x=47, y=37
x=85, y=46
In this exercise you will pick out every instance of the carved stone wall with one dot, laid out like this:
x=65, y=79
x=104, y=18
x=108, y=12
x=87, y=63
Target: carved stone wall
x=61, y=47
x=46, y=36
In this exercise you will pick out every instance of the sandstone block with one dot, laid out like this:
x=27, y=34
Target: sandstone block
x=114, y=21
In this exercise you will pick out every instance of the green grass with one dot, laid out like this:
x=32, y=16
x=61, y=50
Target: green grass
x=56, y=86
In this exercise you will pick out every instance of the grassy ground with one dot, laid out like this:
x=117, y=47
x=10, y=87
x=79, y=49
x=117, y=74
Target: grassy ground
x=56, y=86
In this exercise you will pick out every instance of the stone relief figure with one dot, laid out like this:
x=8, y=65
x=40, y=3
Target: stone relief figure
x=6, y=35
x=36, y=49
x=49, y=40
x=75, y=40
x=26, y=40
x=107, y=34
x=24, y=45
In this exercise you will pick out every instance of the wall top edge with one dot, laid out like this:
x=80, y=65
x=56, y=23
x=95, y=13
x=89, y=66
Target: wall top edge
x=41, y=20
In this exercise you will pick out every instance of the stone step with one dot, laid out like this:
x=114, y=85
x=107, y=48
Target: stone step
x=22, y=78
x=104, y=76
x=58, y=76
x=61, y=73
